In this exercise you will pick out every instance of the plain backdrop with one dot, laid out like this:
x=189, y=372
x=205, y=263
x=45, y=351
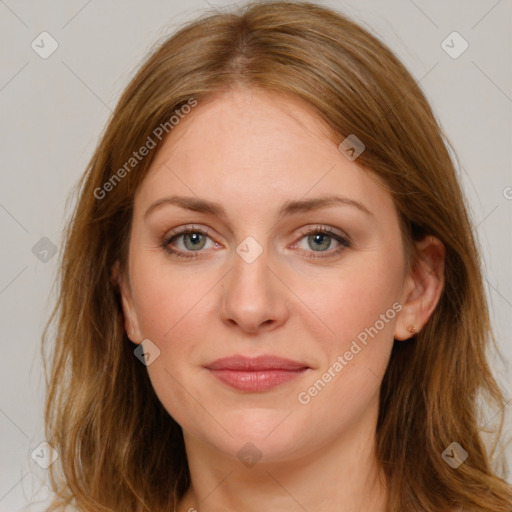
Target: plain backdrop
x=54, y=109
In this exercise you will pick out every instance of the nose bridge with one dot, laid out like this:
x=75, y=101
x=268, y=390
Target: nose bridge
x=251, y=276
x=251, y=266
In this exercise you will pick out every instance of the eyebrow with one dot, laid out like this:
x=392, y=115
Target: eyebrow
x=288, y=208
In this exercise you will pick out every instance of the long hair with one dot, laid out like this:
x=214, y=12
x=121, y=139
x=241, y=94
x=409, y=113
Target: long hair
x=119, y=449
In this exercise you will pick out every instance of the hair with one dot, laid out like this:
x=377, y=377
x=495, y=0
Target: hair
x=118, y=447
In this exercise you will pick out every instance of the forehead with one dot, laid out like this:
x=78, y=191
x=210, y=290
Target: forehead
x=248, y=148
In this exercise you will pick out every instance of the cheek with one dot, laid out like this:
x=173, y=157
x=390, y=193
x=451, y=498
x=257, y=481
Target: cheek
x=362, y=311
x=165, y=297
x=170, y=311
x=352, y=300
x=359, y=307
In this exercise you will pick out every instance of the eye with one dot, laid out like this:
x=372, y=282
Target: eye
x=194, y=239
x=321, y=237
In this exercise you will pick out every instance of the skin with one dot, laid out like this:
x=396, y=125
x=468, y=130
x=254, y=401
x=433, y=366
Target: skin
x=251, y=151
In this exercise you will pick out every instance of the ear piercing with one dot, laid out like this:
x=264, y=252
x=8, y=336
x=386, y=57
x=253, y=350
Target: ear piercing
x=411, y=329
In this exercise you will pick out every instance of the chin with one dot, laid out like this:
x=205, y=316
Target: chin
x=267, y=435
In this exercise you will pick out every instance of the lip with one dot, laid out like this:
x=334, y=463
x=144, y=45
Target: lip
x=254, y=374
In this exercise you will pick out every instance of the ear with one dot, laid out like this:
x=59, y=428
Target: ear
x=131, y=323
x=422, y=287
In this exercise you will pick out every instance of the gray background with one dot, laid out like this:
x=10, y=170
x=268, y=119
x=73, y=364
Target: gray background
x=54, y=110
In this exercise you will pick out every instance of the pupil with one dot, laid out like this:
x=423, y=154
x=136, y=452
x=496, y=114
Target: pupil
x=195, y=238
x=319, y=237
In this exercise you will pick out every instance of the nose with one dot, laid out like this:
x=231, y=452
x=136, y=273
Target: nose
x=254, y=297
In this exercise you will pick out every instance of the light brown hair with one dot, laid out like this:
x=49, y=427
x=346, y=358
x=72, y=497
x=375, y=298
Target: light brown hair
x=119, y=448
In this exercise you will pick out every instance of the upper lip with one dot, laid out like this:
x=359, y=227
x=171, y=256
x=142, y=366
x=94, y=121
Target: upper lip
x=265, y=362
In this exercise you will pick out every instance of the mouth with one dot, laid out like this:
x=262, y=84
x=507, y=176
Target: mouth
x=256, y=374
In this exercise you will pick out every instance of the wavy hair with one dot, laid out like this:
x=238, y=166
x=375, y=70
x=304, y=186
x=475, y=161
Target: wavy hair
x=119, y=448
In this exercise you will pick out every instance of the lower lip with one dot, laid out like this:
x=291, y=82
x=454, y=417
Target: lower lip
x=255, y=381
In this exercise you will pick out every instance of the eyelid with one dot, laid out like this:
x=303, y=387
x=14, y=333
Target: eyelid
x=324, y=229
x=182, y=230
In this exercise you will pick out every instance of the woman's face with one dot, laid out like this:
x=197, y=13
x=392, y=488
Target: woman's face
x=256, y=277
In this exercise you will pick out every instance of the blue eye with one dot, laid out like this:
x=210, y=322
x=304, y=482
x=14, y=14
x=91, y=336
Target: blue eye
x=321, y=238
x=195, y=239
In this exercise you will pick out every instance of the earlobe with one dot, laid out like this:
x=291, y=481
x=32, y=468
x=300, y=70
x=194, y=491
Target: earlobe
x=423, y=289
x=131, y=324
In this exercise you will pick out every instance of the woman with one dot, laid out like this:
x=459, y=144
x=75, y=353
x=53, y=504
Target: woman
x=270, y=294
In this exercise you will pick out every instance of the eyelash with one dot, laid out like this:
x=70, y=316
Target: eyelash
x=345, y=243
